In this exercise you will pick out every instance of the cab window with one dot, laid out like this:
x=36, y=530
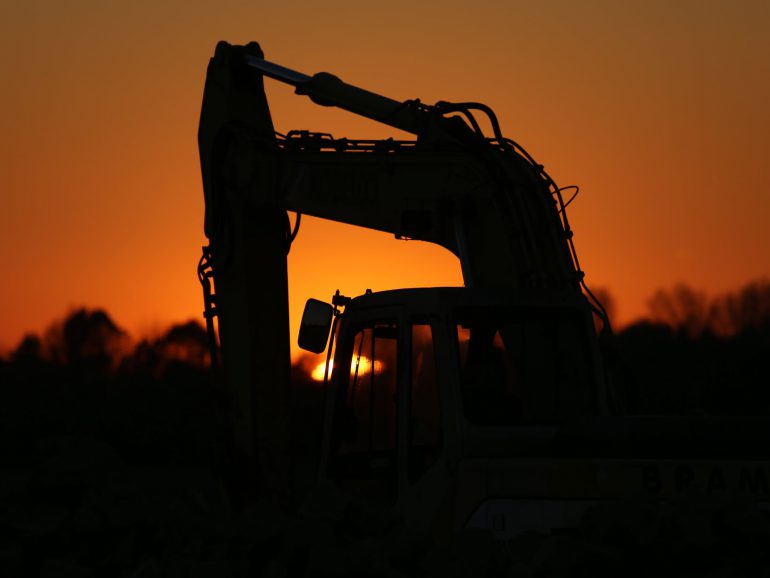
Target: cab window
x=424, y=410
x=364, y=454
x=525, y=366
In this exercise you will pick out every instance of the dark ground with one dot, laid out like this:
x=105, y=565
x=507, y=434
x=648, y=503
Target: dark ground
x=119, y=469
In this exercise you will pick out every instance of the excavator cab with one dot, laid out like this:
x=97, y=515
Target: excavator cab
x=425, y=382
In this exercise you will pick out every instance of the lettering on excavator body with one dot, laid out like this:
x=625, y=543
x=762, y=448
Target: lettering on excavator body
x=753, y=481
x=651, y=479
x=745, y=479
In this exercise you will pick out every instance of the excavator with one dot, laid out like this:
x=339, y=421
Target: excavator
x=485, y=406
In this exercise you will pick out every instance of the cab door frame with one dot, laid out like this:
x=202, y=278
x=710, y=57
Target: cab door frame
x=350, y=323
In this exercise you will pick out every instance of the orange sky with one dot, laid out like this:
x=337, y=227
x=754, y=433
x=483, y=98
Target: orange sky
x=658, y=110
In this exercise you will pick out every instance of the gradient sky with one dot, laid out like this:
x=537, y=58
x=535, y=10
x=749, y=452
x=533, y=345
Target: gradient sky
x=657, y=109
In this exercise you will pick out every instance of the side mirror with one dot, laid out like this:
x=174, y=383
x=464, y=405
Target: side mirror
x=315, y=325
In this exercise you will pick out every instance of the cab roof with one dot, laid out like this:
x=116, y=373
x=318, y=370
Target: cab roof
x=438, y=298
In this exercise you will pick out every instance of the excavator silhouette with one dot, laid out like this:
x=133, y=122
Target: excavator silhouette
x=483, y=406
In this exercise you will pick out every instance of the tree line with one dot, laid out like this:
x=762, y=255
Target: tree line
x=692, y=353
x=696, y=354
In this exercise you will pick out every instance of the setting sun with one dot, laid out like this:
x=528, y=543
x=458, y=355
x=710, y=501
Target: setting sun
x=364, y=366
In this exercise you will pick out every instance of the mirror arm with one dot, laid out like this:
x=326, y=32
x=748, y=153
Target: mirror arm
x=327, y=368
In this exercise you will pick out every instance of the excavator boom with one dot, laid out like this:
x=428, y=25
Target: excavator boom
x=485, y=407
x=482, y=198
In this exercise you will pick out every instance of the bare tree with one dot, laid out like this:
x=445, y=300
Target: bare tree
x=88, y=336
x=682, y=308
x=748, y=308
x=186, y=342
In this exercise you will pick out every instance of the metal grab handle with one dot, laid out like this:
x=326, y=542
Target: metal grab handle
x=276, y=71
